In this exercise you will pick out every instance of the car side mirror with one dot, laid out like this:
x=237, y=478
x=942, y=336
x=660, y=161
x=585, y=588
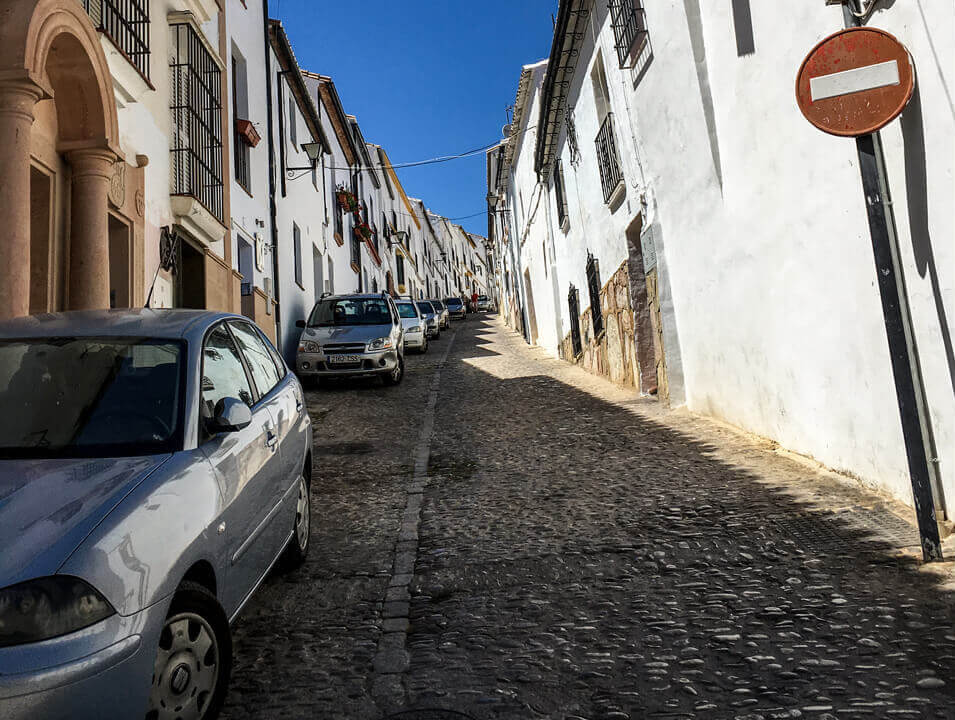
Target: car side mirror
x=230, y=415
x=300, y=324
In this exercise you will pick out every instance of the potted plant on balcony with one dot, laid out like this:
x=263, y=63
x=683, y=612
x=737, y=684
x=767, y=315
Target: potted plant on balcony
x=347, y=200
x=363, y=231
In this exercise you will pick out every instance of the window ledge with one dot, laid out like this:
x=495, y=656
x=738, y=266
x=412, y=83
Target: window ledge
x=565, y=225
x=129, y=85
x=617, y=195
x=204, y=10
x=339, y=239
x=199, y=222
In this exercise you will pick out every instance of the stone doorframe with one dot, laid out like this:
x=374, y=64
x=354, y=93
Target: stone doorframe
x=50, y=50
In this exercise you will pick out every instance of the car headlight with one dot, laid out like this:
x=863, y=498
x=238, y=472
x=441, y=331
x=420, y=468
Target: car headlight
x=309, y=347
x=48, y=607
x=414, y=329
x=380, y=344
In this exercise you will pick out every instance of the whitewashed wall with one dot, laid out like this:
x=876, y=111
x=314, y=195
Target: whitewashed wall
x=767, y=238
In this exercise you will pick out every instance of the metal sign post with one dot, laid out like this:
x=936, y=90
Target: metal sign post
x=852, y=84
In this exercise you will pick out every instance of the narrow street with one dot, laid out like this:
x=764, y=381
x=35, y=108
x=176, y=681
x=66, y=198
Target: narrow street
x=555, y=548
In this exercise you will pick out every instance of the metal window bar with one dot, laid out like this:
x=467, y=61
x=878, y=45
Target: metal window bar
x=197, y=120
x=240, y=150
x=608, y=162
x=339, y=218
x=629, y=21
x=126, y=22
x=573, y=302
x=355, y=249
x=559, y=192
x=593, y=286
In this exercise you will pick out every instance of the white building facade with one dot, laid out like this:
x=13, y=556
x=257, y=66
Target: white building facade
x=750, y=225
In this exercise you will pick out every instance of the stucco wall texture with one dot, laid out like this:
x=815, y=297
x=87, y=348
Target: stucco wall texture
x=769, y=251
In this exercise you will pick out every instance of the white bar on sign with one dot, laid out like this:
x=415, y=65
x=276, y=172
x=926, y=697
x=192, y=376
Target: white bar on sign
x=855, y=80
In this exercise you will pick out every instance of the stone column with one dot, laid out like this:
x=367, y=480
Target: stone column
x=16, y=119
x=89, y=228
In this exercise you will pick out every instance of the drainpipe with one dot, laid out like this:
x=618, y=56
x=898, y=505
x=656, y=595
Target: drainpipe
x=272, y=211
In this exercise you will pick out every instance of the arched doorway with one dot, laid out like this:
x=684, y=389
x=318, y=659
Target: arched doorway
x=59, y=141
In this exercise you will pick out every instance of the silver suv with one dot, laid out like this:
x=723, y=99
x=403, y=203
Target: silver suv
x=352, y=335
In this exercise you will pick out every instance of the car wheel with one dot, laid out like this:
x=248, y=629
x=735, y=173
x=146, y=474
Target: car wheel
x=193, y=660
x=424, y=345
x=395, y=376
x=298, y=545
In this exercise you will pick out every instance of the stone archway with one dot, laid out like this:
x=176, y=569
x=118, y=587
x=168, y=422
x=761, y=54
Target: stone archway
x=49, y=51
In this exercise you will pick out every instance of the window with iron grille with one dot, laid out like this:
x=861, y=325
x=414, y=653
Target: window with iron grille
x=400, y=269
x=573, y=302
x=240, y=151
x=355, y=250
x=629, y=22
x=608, y=162
x=126, y=22
x=559, y=192
x=197, y=120
x=339, y=218
x=593, y=286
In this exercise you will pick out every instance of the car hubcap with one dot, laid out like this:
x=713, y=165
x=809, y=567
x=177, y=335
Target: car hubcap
x=396, y=374
x=302, y=514
x=186, y=669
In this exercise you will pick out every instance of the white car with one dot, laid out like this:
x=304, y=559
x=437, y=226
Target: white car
x=414, y=324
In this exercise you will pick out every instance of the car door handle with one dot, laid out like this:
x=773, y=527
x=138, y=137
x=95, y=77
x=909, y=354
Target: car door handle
x=271, y=440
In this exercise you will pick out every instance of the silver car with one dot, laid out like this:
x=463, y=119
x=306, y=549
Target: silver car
x=443, y=316
x=154, y=465
x=352, y=335
x=431, y=317
x=415, y=325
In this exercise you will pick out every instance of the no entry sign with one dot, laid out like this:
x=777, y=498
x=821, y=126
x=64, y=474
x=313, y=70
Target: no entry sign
x=855, y=82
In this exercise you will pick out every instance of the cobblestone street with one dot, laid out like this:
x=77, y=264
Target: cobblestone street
x=504, y=536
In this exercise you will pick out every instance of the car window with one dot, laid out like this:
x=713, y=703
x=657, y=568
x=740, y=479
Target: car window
x=407, y=310
x=264, y=373
x=89, y=397
x=424, y=307
x=223, y=374
x=276, y=358
x=351, y=311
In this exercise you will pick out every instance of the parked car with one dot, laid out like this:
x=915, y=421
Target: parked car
x=456, y=308
x=154, y=465
x=443, y=315
x=352, y=335
x=431, y=317
x=415, y=325
x=483, y=303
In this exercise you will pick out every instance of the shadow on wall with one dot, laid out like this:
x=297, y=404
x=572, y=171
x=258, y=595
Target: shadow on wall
x=916, y=184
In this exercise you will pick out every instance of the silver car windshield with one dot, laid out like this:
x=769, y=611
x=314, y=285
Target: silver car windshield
x=350, y=311
x=406, y=310
x=425, y=307
x=89, y=397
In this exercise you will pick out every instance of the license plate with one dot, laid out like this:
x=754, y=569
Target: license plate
x=343, y=359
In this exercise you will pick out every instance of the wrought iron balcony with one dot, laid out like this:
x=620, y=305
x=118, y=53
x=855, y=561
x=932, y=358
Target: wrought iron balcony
x=629, y=22
x=126, y=23
x=608, y=161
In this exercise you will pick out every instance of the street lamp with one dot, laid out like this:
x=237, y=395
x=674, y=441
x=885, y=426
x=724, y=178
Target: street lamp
x=400, y=235
x=314, y=152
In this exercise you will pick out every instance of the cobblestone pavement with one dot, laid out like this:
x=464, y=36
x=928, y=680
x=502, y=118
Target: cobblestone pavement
x=558, y=548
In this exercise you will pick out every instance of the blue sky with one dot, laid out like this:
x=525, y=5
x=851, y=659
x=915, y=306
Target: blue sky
x=425, y=79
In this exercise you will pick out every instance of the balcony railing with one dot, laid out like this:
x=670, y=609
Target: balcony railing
x=629, y=22
x=126, y=22
x=608, y=161
x=197, y=120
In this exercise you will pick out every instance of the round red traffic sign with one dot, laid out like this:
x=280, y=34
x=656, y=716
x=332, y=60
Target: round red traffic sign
x=855, y=82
